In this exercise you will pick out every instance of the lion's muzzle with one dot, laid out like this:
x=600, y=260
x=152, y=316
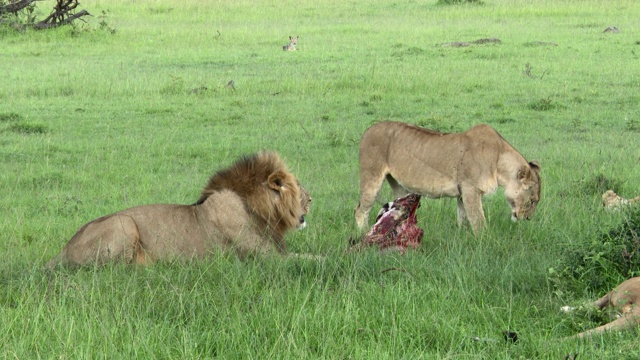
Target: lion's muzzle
x=303, y=223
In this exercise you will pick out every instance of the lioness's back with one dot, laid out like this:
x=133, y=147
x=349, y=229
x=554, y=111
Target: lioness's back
x=395, y=141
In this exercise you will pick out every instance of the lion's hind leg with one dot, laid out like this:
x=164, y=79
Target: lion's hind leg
x=113, y=237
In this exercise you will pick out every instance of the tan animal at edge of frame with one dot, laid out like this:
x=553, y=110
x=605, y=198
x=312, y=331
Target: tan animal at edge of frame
x=293, y=42
x=612, y=201
x=464, y=165
x=246, y=208
x=624, y=300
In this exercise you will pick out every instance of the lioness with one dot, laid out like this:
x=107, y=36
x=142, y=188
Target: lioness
x=464, y=165
x=625, y=300
x=612, y=201
x=247, y=207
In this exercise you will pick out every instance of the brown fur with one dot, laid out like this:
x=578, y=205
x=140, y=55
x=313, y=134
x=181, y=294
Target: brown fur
x=247, y=207
x=612, y=201
x=464, y=165
x=624, y=300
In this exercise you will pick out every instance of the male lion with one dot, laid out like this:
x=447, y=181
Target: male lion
x=624, y=300
x=464, y=165
x=247, y=207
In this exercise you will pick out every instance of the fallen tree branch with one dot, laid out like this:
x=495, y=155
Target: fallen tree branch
x=47, y=25
x=62, y=13
x=15, y=7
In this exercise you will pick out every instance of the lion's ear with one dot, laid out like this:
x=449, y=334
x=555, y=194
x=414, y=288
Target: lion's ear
x=535, y=165
x=277, y=180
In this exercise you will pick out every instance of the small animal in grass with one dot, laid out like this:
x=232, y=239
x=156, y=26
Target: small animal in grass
x=293, y=41
x=623, y=300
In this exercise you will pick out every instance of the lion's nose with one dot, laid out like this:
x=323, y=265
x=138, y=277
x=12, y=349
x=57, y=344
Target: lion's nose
x=302, y=224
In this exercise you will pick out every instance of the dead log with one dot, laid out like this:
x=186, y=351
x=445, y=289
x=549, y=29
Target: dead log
x=47, y=23
x=62, y=13
x=15, y=7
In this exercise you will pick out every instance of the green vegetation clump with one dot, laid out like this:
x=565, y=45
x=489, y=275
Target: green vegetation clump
x=598, y=184
x=598, y=265
x=10, y=117
x=25, y=128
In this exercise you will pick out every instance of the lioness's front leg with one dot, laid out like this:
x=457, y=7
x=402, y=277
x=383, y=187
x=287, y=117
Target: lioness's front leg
x=370, y=186
x=472, y=205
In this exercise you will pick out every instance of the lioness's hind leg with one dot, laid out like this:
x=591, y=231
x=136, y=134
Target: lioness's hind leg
x=102, y=240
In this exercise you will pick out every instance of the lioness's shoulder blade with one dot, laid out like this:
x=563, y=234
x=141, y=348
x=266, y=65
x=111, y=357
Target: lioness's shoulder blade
x=483, y=129
x=397, y=126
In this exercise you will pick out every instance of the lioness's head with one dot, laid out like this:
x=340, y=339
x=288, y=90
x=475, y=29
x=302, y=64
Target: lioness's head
x=524, y=193
x=611, y=200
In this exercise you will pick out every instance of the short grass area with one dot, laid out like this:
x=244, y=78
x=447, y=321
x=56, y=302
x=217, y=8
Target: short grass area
x=94, y=120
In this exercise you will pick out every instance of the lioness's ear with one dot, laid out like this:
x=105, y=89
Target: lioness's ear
x=276, y=180
x=524, y=173
x=535, y=165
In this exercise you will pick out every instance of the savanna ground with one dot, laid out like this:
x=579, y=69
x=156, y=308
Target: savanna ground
x=113, y=113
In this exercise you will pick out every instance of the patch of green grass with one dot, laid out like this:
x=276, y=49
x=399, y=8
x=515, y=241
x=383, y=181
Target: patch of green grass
x=104, y=120
x=454, y=2
x=26, y=128
x=10, y=117
x=605, y=261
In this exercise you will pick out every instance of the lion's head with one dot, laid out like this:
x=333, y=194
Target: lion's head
x=524, y=194
x=278, y=202
x=305, y=202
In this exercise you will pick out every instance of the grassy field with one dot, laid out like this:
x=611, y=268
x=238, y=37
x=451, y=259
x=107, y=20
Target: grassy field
x=114, y=113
